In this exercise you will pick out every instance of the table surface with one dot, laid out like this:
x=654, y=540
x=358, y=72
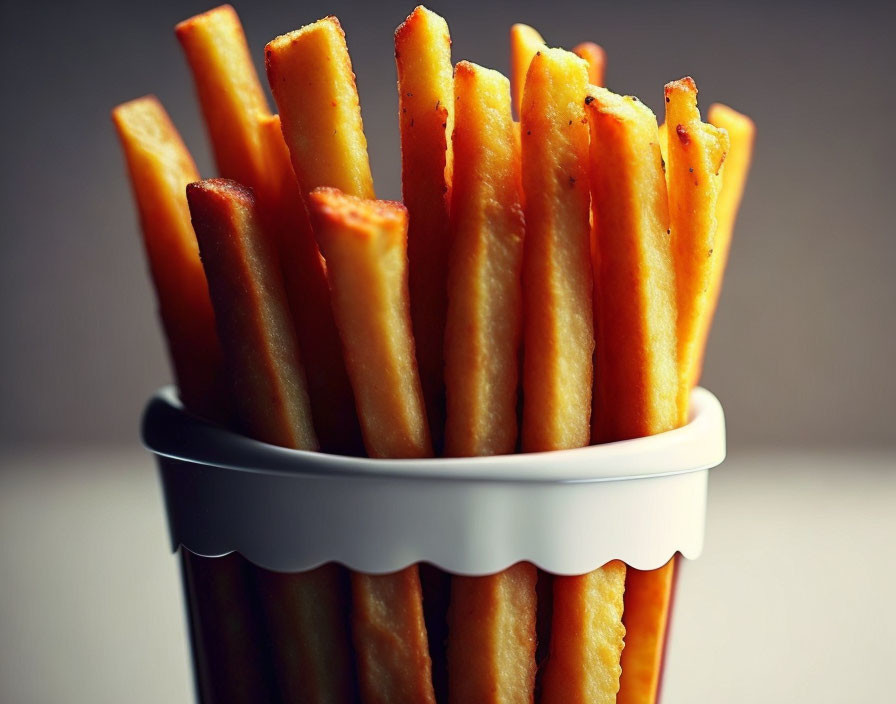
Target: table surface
x=792, y=600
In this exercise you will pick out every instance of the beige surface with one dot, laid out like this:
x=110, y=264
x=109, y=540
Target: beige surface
x=789, y=603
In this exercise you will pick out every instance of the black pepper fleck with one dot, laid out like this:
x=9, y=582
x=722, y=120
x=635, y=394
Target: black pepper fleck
x=589, y=99
x=691, y=170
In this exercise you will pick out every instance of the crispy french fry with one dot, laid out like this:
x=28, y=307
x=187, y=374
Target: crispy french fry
x=664, y=142
x=557, y=278
x=485, y=308
x=636, y=386
x=491, y=637
x=229, y=91
x=491, y=626
x=648, y=598
x=160, y=167
x=272, y=402
x=252, y=315
x=693, y=174
x=365, y=244
x=741, y=133
x=223, y=620
x=525, y=41
x=426, y=115
x=596, y=57
x=586, y=636
x=305, y=278
x=311, y=77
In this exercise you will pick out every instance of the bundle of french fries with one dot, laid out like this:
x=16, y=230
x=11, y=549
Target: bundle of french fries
x=547, y=283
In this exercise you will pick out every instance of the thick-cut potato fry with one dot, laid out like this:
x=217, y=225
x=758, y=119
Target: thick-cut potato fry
x=223, y=619
x=586, y=636
x=305, y=278
x=636, y=377
x=272, y=403
x=249, y=148
x=311, y=77
x=365, y=244
x=696, y=152
x=229, y=91
x=525, y=42
x=741, y=133
x=160, y=168
x=491, y=631
x=636, y=387
x=426, y=116
x=485, y=307
x=648, y=598
x=252, y=315
x=596, y=57
x=557, y=278
x=491, y=637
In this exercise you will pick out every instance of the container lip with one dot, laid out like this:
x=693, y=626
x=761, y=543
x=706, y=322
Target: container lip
x=170, y=431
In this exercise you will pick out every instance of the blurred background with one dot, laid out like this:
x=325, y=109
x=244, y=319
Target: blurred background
x=802, y=350
x=801, y=354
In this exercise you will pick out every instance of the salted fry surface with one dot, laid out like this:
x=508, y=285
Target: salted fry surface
x=586, y=638
x=426, y=117
x=696, y=152
x=557, y=278
x=311, y=77
x=636, y=376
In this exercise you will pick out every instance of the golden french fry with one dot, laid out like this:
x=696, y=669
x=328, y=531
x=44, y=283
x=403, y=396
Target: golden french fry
x=160, y=167
x=485, y=308
x=557, y=279
x=249, y=148
x=491, y=623
x=252, y=315
x=365, y=244
x=305, y=278
x=272, y=402
x=636, y=387
x=596, y=57
x=696, y=152
x=229, y=91
x=586, y=636
x=648, y=598
x=741, y=133
x=311, y=77
x=426, y=115
x=491, y=637
x=226, y=650
x=525, y=41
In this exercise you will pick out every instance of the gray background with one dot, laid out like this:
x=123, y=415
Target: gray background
x=803, y=346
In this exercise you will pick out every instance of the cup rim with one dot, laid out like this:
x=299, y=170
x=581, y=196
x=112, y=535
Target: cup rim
x=170, y=431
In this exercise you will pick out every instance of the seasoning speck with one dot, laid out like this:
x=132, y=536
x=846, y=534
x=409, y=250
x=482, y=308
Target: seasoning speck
x=589, y=99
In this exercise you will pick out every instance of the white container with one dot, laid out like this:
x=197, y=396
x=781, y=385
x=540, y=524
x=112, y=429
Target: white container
x=568, y=512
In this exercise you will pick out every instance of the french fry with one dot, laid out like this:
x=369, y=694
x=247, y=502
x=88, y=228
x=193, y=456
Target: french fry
x=272, y=402
x=305, y=278
x=311, y=77
x=696, y=152
x=557, y=278
x=223, y=620
x=558, y=346
x=586, y=637
x=426, y=115
x=741, y=133
x=648, y=598
x=525, y=42
x=229, y=91
x=596, y=57
x=491, y=625
x=365, y=244
x=160, y=168
x=249, y=148
x=636, y=386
